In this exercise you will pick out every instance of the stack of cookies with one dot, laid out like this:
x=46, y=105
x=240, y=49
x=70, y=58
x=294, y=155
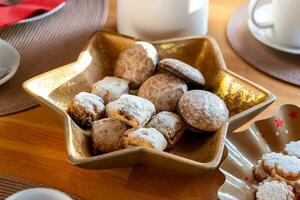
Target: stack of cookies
x=158, y=114
x=279, y=174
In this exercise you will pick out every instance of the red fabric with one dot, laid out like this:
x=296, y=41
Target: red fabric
x=25, y=9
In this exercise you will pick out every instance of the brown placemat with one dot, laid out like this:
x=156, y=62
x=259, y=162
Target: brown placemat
x=48, y=43
x=278, y=64
x=10, y=185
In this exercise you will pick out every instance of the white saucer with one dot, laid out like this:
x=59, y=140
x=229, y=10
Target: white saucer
x=9, y=61
x=265, y=12
x=43, y=15
x=39, y=194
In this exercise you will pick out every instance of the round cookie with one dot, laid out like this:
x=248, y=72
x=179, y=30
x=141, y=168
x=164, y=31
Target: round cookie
x=110, y=88
x=86, y=108
x=106, y=134
x=274, y=190
x=182, y=70
x=293, y=149
x=164, y=91
x=169, y=124
x=202, y=110
x=136, y=63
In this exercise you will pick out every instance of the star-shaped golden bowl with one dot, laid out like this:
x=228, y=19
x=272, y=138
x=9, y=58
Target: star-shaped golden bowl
x=194, y=153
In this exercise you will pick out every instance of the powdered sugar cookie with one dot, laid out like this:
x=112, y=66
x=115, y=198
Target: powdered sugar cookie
x=283, y=167
x=293, y=149
x=106, y=134
x=269, y=160
x=274, y=190
x=202, y=110
x=148, y=137
x=132, y=110
x=169, y=124
x=137, y=63
x=288, y=167
x=110, y=88
x=182, y=70
x=164, y=91
x=86, y=108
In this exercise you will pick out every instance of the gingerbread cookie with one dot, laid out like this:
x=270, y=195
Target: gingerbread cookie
x=293, y=149
x=106, y=134
x=110, y=88
x=148, y=137
x=164, y=91
x=86, y=108
x=202, y=110
x=182, y=70
x=169, y=124
x=132, y=110
x=137, y=63
x=274, y=190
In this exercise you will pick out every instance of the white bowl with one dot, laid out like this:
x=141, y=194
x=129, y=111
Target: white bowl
x=9, y=60
x=39, y=194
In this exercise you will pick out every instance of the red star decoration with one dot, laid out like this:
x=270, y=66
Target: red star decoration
x=246, y=178
x=278, y=122
x=293, y=115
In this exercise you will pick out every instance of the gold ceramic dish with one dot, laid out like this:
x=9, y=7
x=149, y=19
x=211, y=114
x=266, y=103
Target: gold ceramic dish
x=193, y=154
x=247, y=147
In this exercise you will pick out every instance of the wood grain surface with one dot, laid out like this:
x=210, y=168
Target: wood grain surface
x=32, y=142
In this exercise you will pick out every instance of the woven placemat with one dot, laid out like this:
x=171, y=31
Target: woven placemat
x=10, y=185
x=48, y=43
x=278, y=64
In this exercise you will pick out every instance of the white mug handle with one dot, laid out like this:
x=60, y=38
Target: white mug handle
x=252, y=8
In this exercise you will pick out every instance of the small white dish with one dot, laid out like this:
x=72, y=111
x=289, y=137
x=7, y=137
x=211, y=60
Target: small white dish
x=265, y=12
x=39, y=194
x=43, y=15
x=9, y=61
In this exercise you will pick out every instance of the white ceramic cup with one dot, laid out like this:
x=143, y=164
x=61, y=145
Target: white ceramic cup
x=39, y=194
x=284, y=24
x=161, y=19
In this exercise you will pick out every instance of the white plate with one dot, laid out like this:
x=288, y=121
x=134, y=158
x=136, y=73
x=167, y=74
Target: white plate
x=265, y=12
x=43, y=15
x=9, y=60
x=39, y=194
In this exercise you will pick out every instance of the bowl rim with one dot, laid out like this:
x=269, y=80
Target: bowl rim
x=212, y=164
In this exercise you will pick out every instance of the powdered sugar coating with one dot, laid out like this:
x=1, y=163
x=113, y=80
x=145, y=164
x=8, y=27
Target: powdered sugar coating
x=282, y=164
x=110, y=88
x=169, y=124
x=182, y=70
x=137, y=63
x=164, y=91
x=269, y=160
x=274, y=190
x=148, y=137
x=288, y=166
x=203, y=110
x=106, y=134
x=293, y=149
x=86, y=108
x=132, y=110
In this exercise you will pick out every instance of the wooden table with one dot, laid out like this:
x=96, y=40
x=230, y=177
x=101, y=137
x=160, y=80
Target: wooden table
x=32, y=142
